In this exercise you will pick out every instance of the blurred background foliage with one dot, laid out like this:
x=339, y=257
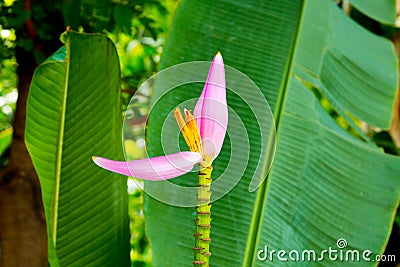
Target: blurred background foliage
x=138, y=30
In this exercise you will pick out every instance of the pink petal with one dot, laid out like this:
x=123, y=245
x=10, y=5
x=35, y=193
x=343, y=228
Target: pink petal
x=211, y=111
x=157, y=168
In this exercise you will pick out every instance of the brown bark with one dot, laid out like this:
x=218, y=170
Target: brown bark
x=23, y=240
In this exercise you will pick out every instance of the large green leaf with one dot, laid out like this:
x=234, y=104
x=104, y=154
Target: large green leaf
x=383, y=11
x=73, y=113
x=325, y=183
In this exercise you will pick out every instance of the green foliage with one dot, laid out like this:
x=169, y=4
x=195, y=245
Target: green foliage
x=383, y=11
x=140, y=247
x=73, y=113
x=8, y=92
x=327, y=182
x=139, y=48
x=137, y=28
x=5, y=139
x=5, y=142
x=7, y=69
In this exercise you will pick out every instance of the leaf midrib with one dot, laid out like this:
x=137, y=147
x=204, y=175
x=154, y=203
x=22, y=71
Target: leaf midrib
x=57, y=177
x=255, y=224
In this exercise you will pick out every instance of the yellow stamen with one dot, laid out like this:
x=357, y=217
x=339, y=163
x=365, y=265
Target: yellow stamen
x=179, y=119
x=194, y=131
x=189, y=129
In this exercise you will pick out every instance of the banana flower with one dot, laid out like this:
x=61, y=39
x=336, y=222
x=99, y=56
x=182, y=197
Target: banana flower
x=204, y=132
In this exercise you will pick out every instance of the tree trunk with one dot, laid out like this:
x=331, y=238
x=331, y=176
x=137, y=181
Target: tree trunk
x=23, y=240
x=23, y=235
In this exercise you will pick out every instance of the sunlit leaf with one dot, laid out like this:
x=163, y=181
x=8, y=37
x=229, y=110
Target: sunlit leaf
x=326, y=183
x=74, y=113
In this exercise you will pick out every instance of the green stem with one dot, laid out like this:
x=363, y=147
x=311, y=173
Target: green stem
x=203, y=219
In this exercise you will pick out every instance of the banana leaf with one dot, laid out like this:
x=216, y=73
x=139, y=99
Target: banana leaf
x=73, y=113
x=383, y=11
x=329, y=186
